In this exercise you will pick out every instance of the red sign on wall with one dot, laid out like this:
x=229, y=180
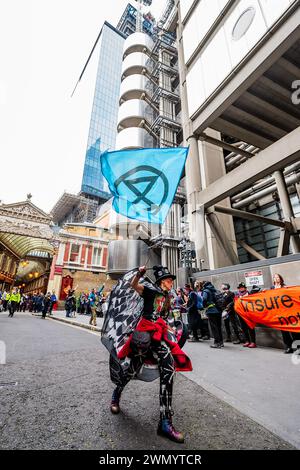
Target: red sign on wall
x=58, y=270
x=66, y=285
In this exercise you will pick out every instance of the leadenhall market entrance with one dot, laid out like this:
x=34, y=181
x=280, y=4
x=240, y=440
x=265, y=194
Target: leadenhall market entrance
x=27, y=244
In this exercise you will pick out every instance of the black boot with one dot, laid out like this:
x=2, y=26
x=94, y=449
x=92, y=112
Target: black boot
x=166, y=429
x=115, y=401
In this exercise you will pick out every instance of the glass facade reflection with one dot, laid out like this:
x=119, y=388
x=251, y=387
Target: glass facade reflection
x=103, y=124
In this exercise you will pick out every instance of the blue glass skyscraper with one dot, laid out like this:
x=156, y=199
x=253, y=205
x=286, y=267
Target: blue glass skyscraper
x=104, y=115
x=103, y=124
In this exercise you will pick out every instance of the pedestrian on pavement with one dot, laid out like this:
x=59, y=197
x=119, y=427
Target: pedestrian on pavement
x=203, y=322
x=78, y=305
x=249, y=333
x=178, y=307
x=53, y=300
x=82, y=303
x=4, y=300
x=14, y=302
x=70, y=303
x=288, y=337
x=23, y=303
x=213, y=313
x=39, y=303
x=99, y=302
x=8, y=296
x=92, y=307
x=152, y=336
x=46, y=305
x=105, y=303
x=30, y=303
x=193, y=315
x=179, y=299
x=34, y=302
x=231, y=317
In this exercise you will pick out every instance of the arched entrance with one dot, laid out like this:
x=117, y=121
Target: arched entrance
x=27, y=245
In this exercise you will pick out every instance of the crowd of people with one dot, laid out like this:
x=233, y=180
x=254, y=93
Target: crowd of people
x=204, y=309
x=86, y=304
x=37, y=302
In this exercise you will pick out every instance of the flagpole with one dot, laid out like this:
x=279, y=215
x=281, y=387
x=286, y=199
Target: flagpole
x=151, y=248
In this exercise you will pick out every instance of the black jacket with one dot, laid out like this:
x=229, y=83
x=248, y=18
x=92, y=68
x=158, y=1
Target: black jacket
x=229, y=301
x=70, y=302
x=209, y=298
x=192, y=303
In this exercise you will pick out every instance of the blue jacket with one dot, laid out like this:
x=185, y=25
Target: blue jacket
x=92, y=299
x=208, y=297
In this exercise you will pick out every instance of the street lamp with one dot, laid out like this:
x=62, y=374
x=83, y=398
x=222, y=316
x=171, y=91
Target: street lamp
x=187, y=253
x=24, y=263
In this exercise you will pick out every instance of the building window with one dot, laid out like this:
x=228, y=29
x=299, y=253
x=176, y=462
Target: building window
x=74, y=254
x=97, y=256
x=243, y=23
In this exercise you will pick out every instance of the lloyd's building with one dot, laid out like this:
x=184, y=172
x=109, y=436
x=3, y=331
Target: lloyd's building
x=148, y=117
x=221, y=76
x=239, y=69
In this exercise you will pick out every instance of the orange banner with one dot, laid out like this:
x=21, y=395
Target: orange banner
x=276, y=308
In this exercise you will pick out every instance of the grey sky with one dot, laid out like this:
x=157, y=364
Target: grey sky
x=43, y=132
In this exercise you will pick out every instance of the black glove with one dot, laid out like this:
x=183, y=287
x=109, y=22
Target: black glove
x=141, y=272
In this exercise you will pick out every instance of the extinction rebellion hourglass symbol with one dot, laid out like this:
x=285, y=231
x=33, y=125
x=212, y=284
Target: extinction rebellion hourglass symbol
x=145, y=188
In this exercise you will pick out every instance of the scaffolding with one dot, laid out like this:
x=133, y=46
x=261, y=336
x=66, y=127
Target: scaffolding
x=132, y=21
x=74, y=208
x=162, y=87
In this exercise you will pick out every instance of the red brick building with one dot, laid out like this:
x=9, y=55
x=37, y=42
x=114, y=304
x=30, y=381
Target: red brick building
x=81, y=259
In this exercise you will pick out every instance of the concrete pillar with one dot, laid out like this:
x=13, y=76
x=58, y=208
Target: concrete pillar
x=212, y=167
x=192, y=167
x=286, y=207
x=202, y=253
x=164, y=260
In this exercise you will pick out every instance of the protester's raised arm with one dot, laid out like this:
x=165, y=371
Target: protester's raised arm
x=135, y=280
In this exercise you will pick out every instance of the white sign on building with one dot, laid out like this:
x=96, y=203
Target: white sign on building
x=254, y=278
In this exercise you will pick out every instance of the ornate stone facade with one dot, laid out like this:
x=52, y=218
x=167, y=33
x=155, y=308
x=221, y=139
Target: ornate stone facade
x=24, y=228
x=26, y=211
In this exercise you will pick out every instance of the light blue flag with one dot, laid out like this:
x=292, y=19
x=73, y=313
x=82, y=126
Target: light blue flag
x=144, y=181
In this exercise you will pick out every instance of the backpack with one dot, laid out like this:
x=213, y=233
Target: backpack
x=199, y=301
x=220, y=300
